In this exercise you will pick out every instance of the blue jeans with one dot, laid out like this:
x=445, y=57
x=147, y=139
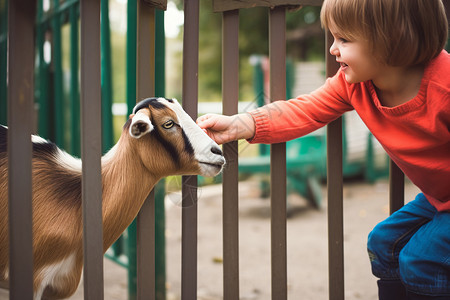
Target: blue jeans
x=413, y=245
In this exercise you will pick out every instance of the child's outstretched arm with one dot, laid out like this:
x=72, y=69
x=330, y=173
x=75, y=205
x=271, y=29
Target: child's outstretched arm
x=224, y=129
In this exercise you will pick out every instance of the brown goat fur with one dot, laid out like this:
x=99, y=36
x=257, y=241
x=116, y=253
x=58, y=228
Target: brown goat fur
x=129, y=172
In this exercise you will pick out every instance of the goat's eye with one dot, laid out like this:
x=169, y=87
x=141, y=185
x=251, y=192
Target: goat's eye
x=168, y=124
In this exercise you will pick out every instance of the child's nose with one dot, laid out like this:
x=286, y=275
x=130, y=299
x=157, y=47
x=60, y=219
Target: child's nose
x=334, y=49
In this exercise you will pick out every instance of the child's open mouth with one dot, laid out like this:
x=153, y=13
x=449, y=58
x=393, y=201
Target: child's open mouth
x=343, y=65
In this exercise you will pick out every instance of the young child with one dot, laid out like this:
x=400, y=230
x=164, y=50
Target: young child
x=396, y=75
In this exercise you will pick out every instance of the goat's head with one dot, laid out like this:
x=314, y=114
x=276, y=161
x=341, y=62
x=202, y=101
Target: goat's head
x=162, y=125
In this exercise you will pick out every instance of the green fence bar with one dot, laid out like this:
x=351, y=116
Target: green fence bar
x=42, y=82
x=107, y=95
x=75, y=146
x=131, y=55
x=58, y=97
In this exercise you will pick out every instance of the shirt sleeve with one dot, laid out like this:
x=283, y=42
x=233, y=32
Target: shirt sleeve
x=282, y=121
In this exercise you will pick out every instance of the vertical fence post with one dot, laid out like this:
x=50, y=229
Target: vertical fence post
x=189, y=183
x=230, y=92
x=277, y=52
x=20, y=111
x=131, y=66
x=91, y=149
x=160, y=191
x=335, y=195
x=396, y=187
x=146, y=218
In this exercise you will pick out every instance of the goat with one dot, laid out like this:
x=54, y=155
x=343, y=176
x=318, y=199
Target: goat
x=159, y=139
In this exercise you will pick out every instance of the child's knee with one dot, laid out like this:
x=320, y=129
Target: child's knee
x=379, y=247
x=377, y=242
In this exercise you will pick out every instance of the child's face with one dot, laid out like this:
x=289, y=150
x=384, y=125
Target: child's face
x=357, y=62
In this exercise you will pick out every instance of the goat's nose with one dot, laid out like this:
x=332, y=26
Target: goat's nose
x=216, y=150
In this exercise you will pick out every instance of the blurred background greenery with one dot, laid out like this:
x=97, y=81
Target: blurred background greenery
x=305, y=42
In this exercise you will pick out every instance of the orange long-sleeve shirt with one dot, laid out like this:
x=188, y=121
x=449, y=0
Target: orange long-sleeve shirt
x=416, y=134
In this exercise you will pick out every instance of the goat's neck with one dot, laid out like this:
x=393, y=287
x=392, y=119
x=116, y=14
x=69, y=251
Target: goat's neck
x=126, y=184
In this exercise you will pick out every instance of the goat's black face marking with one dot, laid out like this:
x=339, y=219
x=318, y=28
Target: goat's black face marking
x=187, y=144
x=170, y=148
x=153, y=102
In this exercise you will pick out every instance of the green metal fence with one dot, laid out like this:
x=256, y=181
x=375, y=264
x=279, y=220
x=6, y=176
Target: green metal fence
x=58, y=109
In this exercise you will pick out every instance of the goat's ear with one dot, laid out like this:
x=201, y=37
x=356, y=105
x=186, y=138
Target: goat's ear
x=140, y=123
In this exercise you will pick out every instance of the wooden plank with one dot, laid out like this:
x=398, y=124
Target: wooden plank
x=145, y=87
x=277, y=57
x=335, y=195
x=230, y=188
x=91, y=150
x=224, y=5
x=20, y=111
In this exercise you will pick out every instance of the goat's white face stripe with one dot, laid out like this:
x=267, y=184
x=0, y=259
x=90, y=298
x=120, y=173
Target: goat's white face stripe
x=200, y=141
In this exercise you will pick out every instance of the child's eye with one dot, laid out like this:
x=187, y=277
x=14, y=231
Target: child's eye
x=342, y=40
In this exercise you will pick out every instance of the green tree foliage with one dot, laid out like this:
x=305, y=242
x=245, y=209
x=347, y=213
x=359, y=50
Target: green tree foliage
x=305, y=41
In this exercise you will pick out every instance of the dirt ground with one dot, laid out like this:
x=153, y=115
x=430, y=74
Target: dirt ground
x=364, y=206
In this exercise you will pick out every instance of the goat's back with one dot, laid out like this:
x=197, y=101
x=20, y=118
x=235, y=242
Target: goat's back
x=56, y=205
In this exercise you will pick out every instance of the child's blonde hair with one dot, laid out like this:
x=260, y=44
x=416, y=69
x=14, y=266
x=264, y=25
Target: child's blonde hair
x=400, y=32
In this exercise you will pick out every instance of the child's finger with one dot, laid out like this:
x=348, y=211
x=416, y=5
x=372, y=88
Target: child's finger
x=205, y=121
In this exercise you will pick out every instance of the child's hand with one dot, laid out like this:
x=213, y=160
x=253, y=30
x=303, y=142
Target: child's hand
x=224, y=129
